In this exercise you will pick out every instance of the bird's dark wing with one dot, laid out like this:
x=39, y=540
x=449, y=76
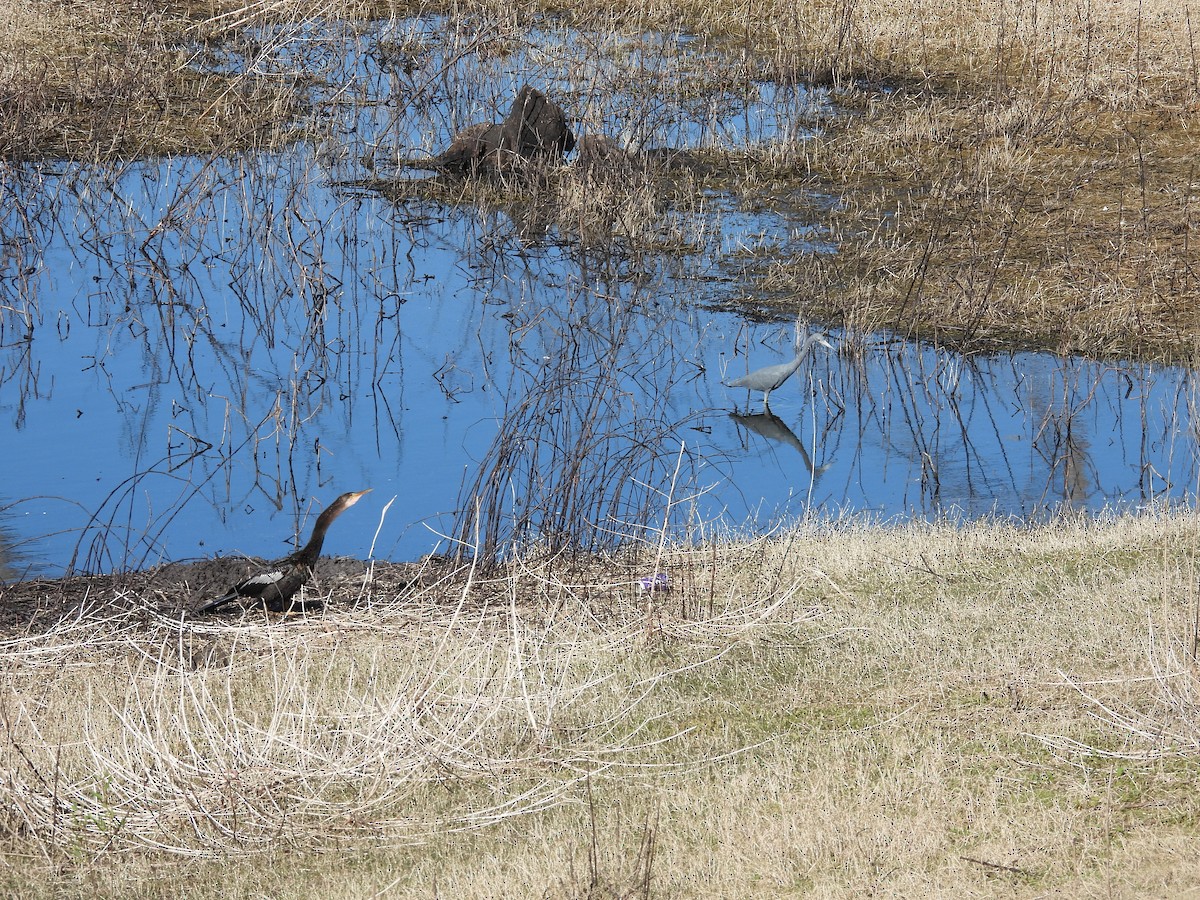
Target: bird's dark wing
x=269, y=584
x=213, y=605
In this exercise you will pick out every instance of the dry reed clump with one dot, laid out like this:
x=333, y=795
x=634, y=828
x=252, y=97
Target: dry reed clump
x=388, y=723
x=619, y=207
x=622, y=202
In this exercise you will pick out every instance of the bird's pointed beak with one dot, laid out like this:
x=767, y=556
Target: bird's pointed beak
x=354, y=497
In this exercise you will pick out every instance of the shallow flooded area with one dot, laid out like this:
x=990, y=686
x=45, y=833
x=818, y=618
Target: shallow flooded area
x=199, y=353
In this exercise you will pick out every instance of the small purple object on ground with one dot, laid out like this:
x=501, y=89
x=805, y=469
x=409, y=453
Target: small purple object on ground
x=657, y=582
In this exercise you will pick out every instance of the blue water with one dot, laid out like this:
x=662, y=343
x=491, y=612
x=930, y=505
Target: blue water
x=196, y=355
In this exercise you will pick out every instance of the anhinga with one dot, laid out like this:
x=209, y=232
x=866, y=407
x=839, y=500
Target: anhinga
x=282, y=579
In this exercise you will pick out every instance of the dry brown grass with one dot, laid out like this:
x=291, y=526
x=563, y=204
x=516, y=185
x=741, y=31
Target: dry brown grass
x=1030, y=179
x=840, y=710
x=97, y=80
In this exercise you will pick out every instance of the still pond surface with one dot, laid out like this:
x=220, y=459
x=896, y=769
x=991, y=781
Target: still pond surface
x=199, y=353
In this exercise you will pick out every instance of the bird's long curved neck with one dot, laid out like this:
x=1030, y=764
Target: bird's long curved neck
x=309, y=552
x=803, y=345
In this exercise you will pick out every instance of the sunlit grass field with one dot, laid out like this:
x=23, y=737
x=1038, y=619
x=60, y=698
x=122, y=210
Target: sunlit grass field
x=985, y=710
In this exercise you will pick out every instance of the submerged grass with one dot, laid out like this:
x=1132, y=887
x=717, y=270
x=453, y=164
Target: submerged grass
x=837, y=710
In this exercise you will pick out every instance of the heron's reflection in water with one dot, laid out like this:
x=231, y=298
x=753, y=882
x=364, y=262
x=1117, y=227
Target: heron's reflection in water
x=773, y=428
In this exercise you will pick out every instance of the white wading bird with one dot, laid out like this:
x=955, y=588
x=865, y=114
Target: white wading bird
x=768, y=378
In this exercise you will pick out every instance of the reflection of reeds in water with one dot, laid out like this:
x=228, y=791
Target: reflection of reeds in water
x=1061, y=443
x=226, y=306
x=587, y=448
x=976, y=433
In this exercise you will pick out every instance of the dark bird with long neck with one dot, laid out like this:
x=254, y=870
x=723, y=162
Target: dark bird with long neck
x=277, y=584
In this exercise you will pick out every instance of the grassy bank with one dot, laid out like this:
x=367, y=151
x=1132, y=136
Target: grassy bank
x=921, y=710
x=1031, y=178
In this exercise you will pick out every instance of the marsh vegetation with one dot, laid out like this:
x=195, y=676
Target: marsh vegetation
x=227, y=294
x=202, y=349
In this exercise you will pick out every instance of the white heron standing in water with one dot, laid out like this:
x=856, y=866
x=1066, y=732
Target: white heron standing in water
x=768, y=378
